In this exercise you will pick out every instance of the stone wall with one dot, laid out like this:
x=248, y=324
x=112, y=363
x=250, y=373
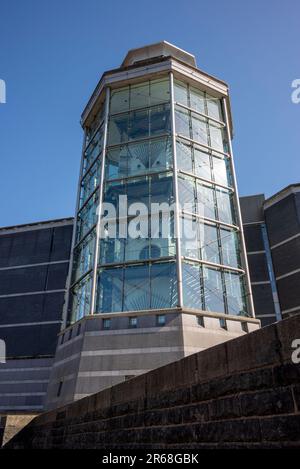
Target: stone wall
x=242, y=393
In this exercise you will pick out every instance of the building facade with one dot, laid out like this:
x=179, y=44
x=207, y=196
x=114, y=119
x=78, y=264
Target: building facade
x=272, y=234
x=34, y=262
x=157, y=130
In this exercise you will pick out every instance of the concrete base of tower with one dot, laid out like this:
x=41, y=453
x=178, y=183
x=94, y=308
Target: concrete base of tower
x=91, y=357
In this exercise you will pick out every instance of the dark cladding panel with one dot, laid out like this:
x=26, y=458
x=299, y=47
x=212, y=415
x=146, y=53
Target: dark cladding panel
x=23, y=280
x=31, y=308
x=282, y=220
x=61, y=245
x=25, y=247
x=253, y=238
x=252, y=208
x=258, y=268
x=30, y=341
x=289, y=291
x=263, y=299
x=286, y=257
x=57, y=274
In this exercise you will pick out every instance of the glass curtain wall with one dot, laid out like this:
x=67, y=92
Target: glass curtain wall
x=138, y=273
x=141, y=273
x=213, y=277
x=85, y=237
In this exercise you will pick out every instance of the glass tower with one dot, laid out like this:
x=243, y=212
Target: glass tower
x=159, y=135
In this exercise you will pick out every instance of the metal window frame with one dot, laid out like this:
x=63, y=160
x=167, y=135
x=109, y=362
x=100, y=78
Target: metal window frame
x=239, y=215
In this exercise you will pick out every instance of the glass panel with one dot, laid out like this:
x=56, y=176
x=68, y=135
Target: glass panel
x=209, y=243
x=213, y=290
x=112, y=192
x=202, y=164
x=159, y=91
x=163, y=285
x=214, y=107
x=138, y=158
x=137, y=249
x=184, y=157
x=230, y=247
x=116, y=162
x=118, y=129
x=221, y=171
x=235, y=291
x=138, y=124
x=217, y=139
x=83, y=257
x=180, y=93
x=189, y=238
x=206, y=201
x=138, y=191
x=112, y=250
x=109, y=290
x=161, y=155
x=93, y=150
x=182, y=122
x=90, y=182
x=87, y=217
x=119, y=100
x=197, y=100
x=192, y=294
x=94, y=124
x=187, y=193
x=199, y=126
x=136, y=288
x=162, y=242
x=81, y=299
x=161, y=189
x=225, y=206
x=139, y=95
x=159, y=120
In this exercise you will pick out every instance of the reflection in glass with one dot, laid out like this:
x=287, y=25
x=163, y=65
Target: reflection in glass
x=180, y=93
x=87, y=217
x=221, y=171
x=197, y=101
x=202, y=164
x=199, y=128
x=81, y=299
x=90, y=182
x=192, y=292
x=83, y=257
x=184, y=157
x=182, y=122
x=209, y=243
x=230, y=247
x=213, y=290
x=235, y=290
x=110, y=290
x=225, y=205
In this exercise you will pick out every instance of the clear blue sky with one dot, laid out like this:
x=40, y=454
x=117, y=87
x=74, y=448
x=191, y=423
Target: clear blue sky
x=54, y=51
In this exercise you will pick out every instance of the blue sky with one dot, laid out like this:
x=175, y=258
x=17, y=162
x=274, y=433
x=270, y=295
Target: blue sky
x=54, y=51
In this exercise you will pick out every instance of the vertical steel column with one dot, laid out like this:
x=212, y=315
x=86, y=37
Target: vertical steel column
x=239, y=215
x=271, y=272
x=69, y=276
x=176, y=194
x=101, y=181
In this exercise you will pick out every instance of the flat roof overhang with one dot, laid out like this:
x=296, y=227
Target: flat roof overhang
x=153, y=68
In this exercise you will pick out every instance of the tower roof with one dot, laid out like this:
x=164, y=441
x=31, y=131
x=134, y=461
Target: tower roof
x=160, y=49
